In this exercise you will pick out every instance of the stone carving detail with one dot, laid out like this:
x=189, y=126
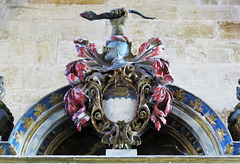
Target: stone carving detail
x=118, y=91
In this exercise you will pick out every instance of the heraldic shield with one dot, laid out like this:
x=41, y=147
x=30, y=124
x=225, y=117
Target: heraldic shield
x=118, y=91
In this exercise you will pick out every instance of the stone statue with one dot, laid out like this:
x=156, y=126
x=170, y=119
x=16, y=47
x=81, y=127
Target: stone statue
x=6, y=118
x=234, y=118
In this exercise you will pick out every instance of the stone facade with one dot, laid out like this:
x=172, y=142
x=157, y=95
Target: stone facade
x=201, y=39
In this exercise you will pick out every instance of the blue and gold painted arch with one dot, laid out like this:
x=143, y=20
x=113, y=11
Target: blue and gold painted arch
x=27, y=122
x=220, y=130
x=48, y=113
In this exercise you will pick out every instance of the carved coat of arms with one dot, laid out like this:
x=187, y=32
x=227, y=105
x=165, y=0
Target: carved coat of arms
x=119, y=92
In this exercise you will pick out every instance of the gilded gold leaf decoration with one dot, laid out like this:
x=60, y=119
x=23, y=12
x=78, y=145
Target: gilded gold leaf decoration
x=42, y=148
x=2, y=151
x=18, y=136
x=54, y=132
x=12, y=149
x=27, y=122
x=39, y=109
x=211, y=118
x=221, y=133
x=229, y=149
x=55, y=98
x=179, y=95
x=199, y=149
x=196, y=105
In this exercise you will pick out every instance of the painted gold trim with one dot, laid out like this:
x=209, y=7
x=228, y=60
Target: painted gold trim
x=210, y=134
x=59, y=139
x=181, y=139
x=38, y=123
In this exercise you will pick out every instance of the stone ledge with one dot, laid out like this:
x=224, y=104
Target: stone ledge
x=103, y=159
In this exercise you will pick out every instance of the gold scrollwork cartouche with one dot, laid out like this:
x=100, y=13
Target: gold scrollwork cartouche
x=120, y=134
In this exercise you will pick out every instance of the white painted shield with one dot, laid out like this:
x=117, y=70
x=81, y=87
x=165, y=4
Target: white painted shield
x=120, y=104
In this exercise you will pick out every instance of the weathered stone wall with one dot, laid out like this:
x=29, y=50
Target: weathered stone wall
x=201, y=38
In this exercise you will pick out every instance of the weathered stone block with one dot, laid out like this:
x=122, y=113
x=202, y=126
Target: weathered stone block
x=14, y=2
x=229, y=29
x=233, y=2
x=46, y=52
x=69, y=2
x=3, y=11
x=212, y=51
x=150, y=3
x=213, y=2
x=175, y=51
x=66, y=52
x=44, y=12
x=195, y=53
x=13, y=75
x=236, y=54
x=159, y=12
x=140, y=30
x=208, y=12
x=42, y=77
x=184, y=29
x=4, y=34
x=218, y=55
x=21, y=52
x=9, y=30
x=40, y=30
x=74, y=29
